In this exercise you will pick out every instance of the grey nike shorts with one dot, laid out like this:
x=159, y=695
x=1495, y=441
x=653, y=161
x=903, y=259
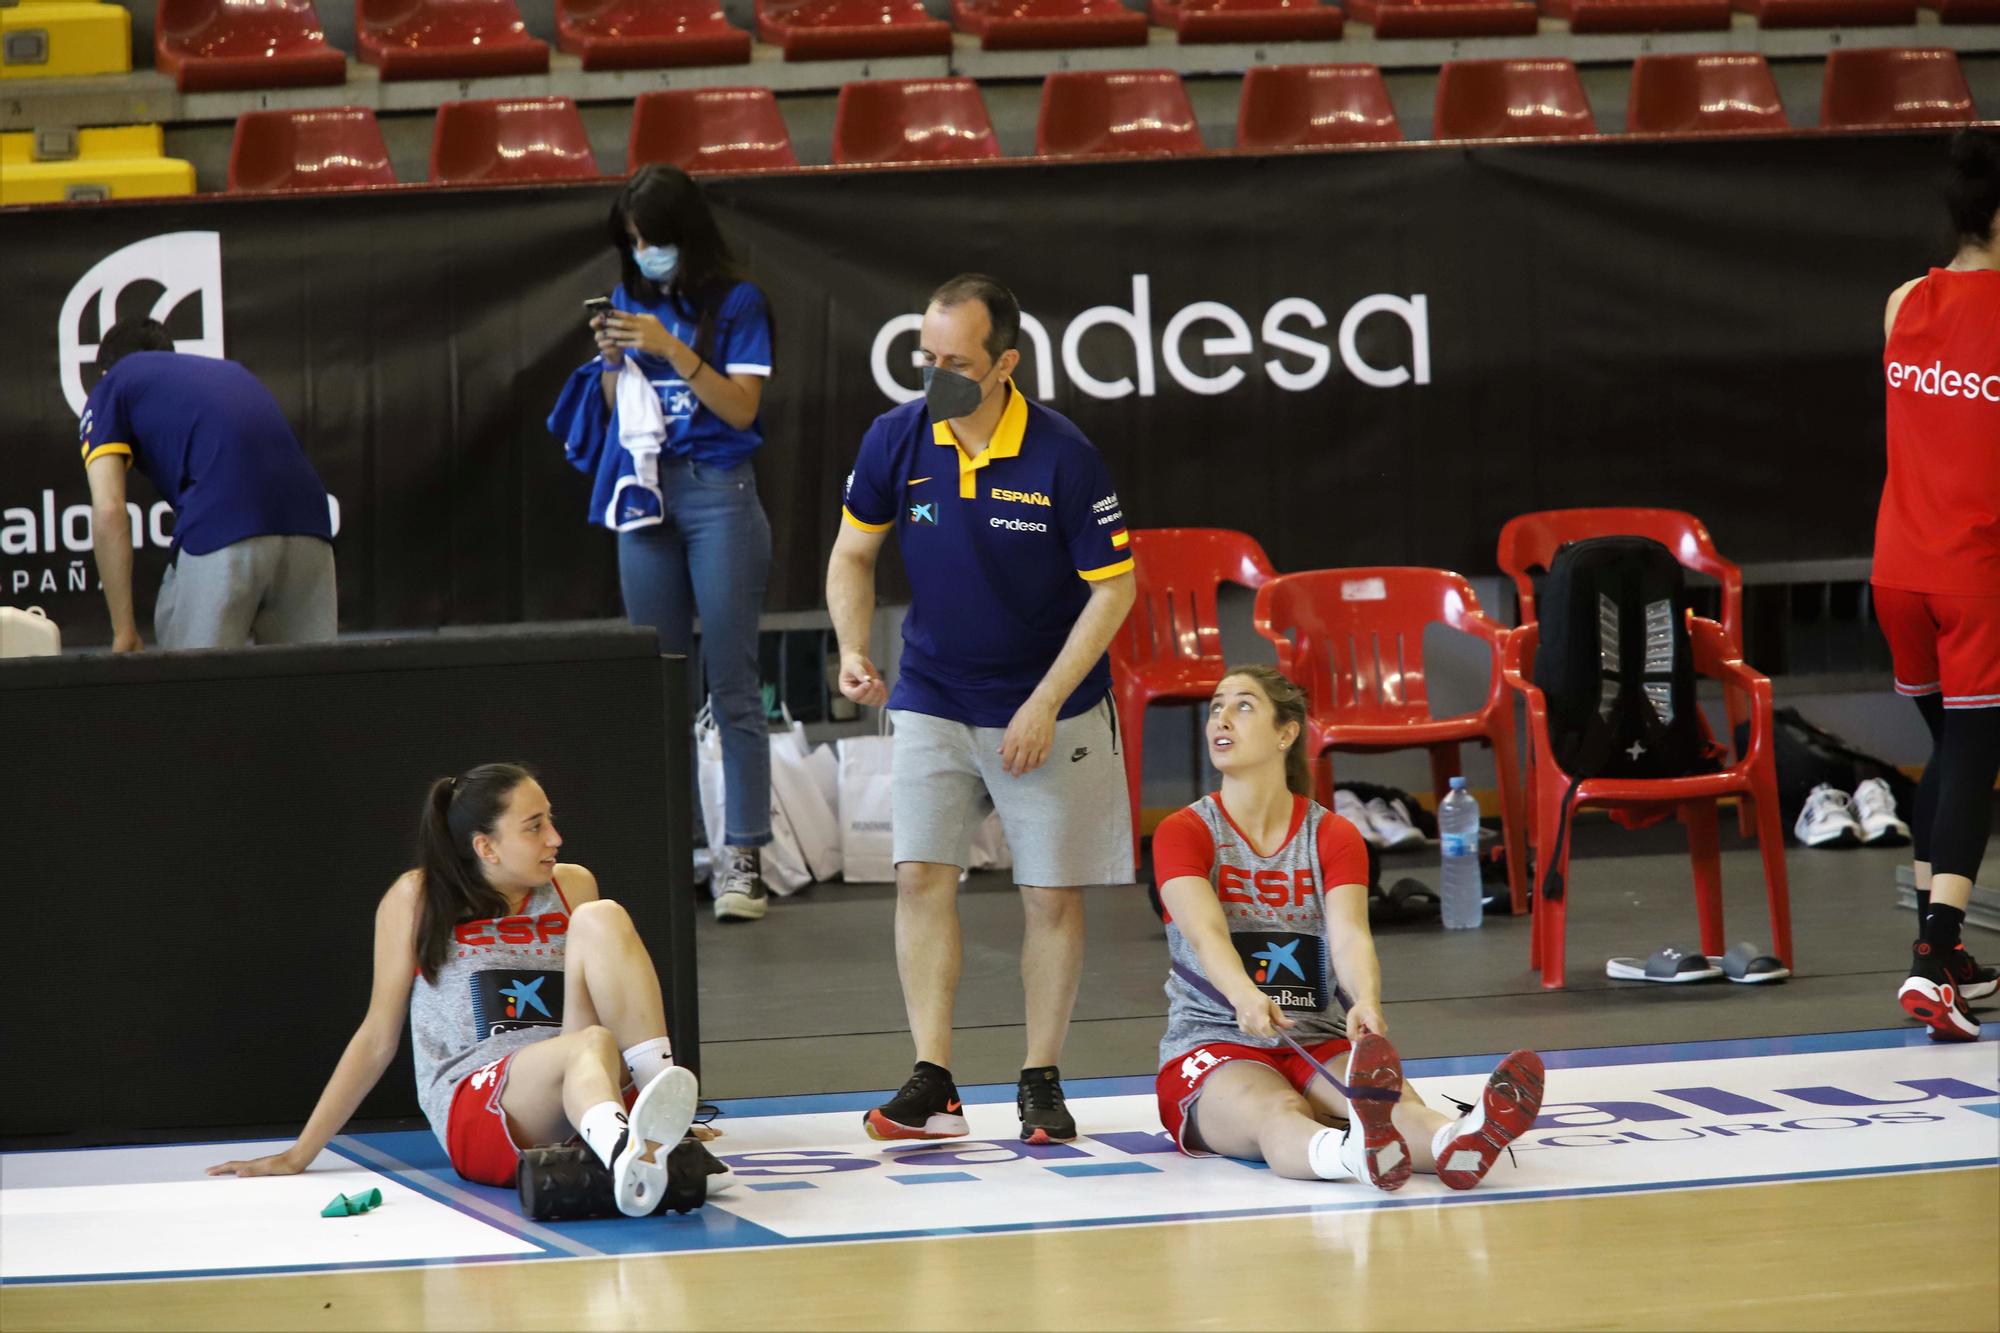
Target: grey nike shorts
x=1069, y=822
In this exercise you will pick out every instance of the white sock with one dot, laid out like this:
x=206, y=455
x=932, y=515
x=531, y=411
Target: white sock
x=1442, y=1140
x=603, y=1125
x=1323, y=1155
x=648, y=1060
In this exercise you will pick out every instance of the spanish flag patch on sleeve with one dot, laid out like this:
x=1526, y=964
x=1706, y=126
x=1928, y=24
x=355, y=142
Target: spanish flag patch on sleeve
x=1120, y=540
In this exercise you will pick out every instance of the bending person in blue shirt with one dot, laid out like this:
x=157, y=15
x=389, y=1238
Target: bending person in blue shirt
x=665, y=422
x=253, y=530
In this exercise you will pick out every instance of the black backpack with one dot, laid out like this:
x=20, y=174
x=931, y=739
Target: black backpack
x=1616, y=666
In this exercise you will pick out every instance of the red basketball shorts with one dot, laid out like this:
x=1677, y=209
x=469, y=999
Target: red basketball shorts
x=475, y=1133
x=1943, y=644
x=1180, y=1081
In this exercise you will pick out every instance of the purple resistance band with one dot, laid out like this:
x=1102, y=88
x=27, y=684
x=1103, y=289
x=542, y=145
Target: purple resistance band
x=1352, y=1094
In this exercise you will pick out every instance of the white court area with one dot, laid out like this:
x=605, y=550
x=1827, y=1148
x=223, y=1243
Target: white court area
x=1700, y=1115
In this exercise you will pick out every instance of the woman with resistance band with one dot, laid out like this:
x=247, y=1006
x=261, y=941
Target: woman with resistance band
x=1281, y=938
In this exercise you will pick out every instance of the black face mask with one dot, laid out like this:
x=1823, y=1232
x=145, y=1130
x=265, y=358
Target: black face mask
x=950, y=395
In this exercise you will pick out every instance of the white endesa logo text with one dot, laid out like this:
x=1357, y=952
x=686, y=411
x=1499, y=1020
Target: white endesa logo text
x=1935, y=381
x=1280, y=332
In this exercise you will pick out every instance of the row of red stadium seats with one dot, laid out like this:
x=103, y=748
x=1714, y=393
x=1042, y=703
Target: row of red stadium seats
x=221, y=44
x=1089, y=113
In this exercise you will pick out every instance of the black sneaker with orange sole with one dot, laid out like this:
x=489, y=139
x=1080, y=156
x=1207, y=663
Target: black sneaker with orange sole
x=928, y=1107
x=1045, y=1116
x=1932, y=998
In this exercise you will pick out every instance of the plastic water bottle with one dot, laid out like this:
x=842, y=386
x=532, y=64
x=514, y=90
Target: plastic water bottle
x=1462, y=895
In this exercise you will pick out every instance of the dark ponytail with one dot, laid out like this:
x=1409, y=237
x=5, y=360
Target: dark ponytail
x=1973, y=193
x=454, y=889
x=1288, y=704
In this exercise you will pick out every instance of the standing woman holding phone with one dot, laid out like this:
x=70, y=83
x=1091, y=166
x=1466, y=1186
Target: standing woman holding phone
x=665, y=420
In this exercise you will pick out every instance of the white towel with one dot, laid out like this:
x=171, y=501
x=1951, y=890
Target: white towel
x=636, y=500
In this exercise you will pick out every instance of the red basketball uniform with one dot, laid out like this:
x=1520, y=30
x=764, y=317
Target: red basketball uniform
x=1937, y=534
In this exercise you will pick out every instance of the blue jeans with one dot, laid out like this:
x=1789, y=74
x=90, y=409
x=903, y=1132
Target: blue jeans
x=712, y=556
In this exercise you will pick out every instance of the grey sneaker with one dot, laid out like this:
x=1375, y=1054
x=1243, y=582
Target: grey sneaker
x=740, y=891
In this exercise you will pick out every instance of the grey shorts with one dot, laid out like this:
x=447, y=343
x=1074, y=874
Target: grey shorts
x=1069, y=822
x=259, y=590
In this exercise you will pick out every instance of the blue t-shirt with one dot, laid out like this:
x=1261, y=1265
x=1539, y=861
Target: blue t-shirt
x=998, y=549
x=213, y=442
x=742, y=346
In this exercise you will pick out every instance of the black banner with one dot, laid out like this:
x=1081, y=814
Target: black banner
x=1361, y=358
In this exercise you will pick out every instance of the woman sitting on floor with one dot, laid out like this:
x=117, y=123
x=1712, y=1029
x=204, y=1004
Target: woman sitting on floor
x=1284, y=937
x=530, y=1002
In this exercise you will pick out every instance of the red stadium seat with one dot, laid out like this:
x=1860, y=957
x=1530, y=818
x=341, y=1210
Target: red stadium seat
x=912, y=120
x=1170, y=646
x=1042, y=25
x=1353, y=639
x=851, y=29
x=213, y=45
x=1446, y=18
x=325, y=148
x=499, y=142
x=1830, y=13
x=1249, y=20
x=1094, y=113
x=1893, y=86
x=649, y=34
x=1697, y=93
x=1314, y=106
x=1964, y=11
x=1510, y=99
x=446, y=39
x=709, y=129
x=1640, y=15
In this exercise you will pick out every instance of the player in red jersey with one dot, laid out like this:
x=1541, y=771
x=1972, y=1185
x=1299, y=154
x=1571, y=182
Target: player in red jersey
x=1937, y=571
x=1270, y=941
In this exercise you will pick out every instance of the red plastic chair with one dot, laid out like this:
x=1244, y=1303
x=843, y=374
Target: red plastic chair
x=1045, y=25
x=1640, y=15
x=1830, y=13
x=1869, y=89
x=1314, y=106
x=1170, y=646
x=1703, y=93
x=649, y=34
x=1511, y=99
x=1754, y=776
x=446, y=39
x=1094, y=113
x=500, y=142
x=1249, y=20
x=1446, y=18
x=709, y=129
x=213, y=45
x=330, y=148
x=912, y=120
x=1964, y=11
x=1354, y=639
x=851, y=29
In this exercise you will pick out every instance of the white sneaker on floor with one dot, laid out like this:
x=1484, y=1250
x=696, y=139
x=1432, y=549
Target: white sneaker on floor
x=1391, y=822
x=1875, y=806
x=740, y=892
x=1828, y=819
x=1348, y=806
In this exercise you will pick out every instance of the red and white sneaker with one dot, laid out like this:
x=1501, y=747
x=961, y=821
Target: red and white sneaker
x=1930, y=997
x=1373, y=1149
x=1467, y=1148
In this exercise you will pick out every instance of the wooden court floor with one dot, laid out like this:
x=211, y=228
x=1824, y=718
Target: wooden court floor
x=1917, y=1250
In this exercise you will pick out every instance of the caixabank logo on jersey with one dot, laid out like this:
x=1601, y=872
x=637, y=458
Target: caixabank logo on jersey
x=1603, y=1128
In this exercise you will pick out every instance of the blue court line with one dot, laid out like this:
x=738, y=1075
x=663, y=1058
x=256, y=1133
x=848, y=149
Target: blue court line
x=765, y=1186
x=1589, y=1057
x=1104, y=1169
x=268, y=1270
x=934, y=1178
x=1990, y=1108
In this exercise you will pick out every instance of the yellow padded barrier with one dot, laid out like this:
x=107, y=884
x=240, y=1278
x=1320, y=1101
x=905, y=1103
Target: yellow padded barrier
x=123, y=162
x=64, y=39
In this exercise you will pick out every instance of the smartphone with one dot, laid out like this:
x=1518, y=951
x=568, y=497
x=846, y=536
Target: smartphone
x=595, y=306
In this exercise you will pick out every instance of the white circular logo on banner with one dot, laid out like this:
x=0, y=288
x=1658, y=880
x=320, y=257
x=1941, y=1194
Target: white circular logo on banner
x=183, y=263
